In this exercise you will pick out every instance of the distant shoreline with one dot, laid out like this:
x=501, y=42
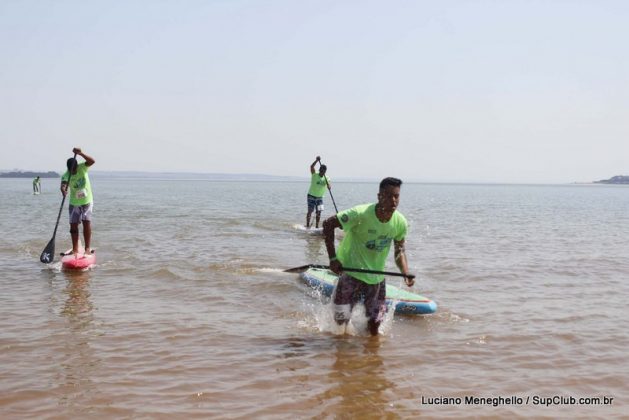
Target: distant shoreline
x=190, y=176
x=617, y=180
x=246, y=177
x=29, y=174
x=177, y=176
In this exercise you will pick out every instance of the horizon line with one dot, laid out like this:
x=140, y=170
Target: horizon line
x=244, y=176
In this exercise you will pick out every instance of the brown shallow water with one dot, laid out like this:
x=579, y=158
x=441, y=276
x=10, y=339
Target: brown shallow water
x=188, y=315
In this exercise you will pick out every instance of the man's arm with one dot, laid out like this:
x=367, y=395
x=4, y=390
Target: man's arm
x=329, y=225
x=312, y=167
x=400, y=261
x=89, y=161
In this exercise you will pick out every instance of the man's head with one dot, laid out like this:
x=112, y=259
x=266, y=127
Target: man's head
x=322, y=170
x=389, y=194
x=72, y=165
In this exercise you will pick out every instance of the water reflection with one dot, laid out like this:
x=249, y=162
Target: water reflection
x=78, y=307
x=360, y=385
x=78, y=362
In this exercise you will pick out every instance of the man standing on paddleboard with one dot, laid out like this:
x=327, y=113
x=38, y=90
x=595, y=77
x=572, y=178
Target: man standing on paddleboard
x=369, y=230
x=81, y=200
x=36, y=185
x=319, y=182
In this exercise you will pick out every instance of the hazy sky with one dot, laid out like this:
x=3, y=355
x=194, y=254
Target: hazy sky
x=497, y=91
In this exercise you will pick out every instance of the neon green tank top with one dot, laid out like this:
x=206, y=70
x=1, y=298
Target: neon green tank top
x=80, y=187
x=367, y=240
x=318, y=185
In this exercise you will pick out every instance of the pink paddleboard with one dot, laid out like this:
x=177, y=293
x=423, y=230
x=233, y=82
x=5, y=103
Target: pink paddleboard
x=78, y=262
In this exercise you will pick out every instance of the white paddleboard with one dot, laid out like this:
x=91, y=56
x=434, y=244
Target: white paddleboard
x=311, y=230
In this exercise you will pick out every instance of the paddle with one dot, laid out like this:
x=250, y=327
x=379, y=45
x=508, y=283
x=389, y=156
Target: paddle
x=303, y=268
x=48, y=254
x=330, y=190
x=331, y=196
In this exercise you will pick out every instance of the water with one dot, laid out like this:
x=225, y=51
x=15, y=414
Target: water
x=188, y=314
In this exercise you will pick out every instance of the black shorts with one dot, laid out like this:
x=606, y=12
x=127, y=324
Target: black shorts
x=315, y=203
x=349, y=291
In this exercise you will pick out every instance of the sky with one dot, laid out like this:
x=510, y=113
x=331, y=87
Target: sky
x=427, y=91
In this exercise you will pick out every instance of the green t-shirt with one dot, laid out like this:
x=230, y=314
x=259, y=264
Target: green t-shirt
x=367, y=240
x=80, y=187
x=318, y=185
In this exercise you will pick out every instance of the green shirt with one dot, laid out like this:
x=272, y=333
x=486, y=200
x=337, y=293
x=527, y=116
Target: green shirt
x=80, y=187
x=318, y=185
x=367, y=240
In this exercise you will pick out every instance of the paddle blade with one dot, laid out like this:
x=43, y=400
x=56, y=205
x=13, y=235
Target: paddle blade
x=304, y=268
x=48, y=254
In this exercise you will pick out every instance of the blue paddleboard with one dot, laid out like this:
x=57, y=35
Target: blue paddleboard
x=406, y=302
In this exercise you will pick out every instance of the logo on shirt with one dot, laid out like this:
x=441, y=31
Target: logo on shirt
x=344, y=218
x=79, y=183
x=379, y=244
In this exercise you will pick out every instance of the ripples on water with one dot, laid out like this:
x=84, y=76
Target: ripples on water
x=189, y=314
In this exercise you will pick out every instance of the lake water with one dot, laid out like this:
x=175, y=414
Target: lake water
x=188, y=314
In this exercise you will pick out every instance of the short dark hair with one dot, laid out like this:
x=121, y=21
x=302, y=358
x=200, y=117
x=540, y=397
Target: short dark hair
x=323, y=167
x=71, y=164
x=390, y=182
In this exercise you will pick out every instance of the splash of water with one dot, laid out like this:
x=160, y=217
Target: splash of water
x=320, y=316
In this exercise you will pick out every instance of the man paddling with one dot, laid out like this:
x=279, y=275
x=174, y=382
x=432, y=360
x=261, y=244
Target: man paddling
x=319, y=182
x=369, y=230
x=36, y=185
x=81, y=200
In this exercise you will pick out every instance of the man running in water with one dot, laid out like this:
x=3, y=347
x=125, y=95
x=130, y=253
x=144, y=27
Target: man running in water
x=369, y=230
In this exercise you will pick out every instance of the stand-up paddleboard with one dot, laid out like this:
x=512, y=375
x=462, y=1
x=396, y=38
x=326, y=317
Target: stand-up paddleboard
x=81, y=261
x=311, y=230
x=405, y=302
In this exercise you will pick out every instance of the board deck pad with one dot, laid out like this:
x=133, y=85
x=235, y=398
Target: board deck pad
x=79, y=262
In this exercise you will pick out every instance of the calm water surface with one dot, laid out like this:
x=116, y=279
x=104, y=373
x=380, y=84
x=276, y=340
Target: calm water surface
x=188, y=314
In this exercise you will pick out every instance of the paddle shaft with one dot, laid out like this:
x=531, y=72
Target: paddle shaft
x=331, y=196
x=63, y=199
x=355, y=270
x=50, y=248
x=330, y=190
